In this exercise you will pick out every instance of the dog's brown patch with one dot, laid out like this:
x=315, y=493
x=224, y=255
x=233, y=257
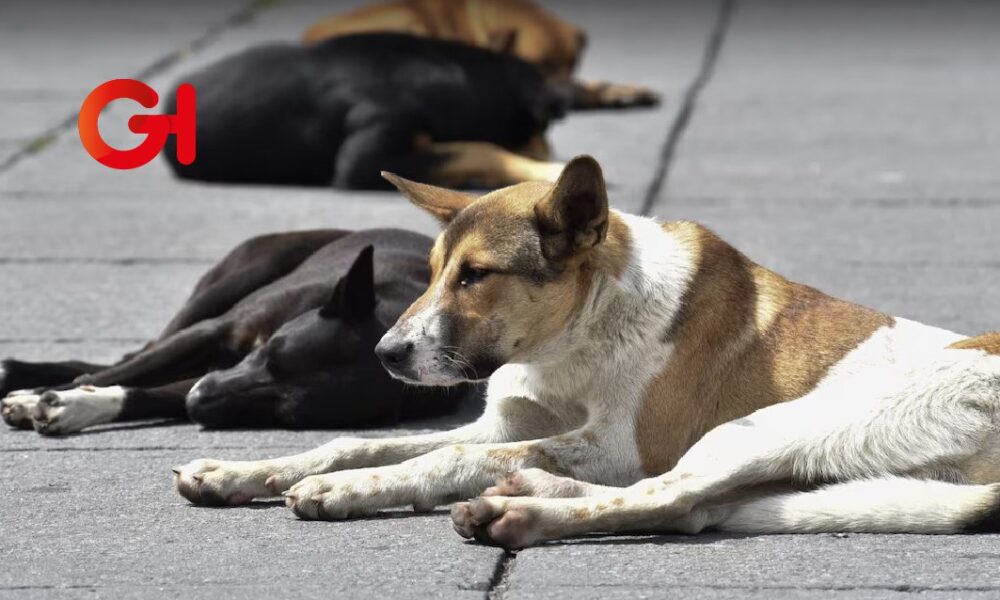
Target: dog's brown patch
x=745, y=338
x=519, y=27
x=465, y=164
x=987, y=342
x=526, y=456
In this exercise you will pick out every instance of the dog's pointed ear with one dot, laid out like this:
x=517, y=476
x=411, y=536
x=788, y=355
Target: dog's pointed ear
x=443, y=203
x=502, y=40
x=574, y=214
x=354, y=295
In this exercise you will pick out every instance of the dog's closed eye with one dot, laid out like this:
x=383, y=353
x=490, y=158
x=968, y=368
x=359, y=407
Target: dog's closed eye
x=471, y=275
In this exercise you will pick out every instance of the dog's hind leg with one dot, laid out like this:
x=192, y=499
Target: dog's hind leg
x=482, y=164
x=394, y=143
x=21, y=384
x=923, y=424
x=387, y=142
x=69, y=411
x=183, y=355
x=22, y=375
x=594, y=95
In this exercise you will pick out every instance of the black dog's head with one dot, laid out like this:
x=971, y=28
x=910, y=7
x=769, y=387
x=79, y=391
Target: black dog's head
x=317, y=370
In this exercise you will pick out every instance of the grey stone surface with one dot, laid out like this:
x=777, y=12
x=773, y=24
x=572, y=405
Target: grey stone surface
x=717, y=565
x=113, y=524
x=849, y=145
x=849, y=99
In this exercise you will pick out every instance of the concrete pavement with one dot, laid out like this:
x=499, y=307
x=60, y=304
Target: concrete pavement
x=850, y=145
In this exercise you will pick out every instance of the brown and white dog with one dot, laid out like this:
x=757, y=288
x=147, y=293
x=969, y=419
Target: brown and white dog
x=618, y=348
x=518, y=27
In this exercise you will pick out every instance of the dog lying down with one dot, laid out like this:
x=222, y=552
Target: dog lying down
x=518, y=27
x=289, y=318
x=650, y=377
x=338, y=112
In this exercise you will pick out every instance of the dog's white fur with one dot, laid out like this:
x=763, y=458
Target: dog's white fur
x=68, y=411
x=902, y=428
x=18, y=407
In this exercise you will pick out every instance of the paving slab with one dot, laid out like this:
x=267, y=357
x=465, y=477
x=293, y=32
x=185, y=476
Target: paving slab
x=108, y=521
x=849, y=99
x=861, y=161
x=723, y=565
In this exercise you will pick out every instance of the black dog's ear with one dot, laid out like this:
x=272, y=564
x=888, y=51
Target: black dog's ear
x=443, y=203
x=354, y=295
x=574, y=215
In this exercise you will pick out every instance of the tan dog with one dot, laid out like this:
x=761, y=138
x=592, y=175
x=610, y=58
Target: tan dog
x=617, y=348
x=519, y=27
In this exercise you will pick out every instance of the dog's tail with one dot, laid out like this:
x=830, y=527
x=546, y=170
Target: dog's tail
x=883, y=505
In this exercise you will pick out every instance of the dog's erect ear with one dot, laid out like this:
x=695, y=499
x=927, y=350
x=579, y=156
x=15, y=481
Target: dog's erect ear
x=574, y=215
x=443, y=203
x=354, y=295
x=502, y=41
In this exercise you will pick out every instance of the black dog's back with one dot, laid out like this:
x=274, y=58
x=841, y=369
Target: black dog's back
x=340, y=111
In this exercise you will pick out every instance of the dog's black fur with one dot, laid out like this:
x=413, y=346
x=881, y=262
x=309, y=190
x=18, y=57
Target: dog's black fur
x=292, y=318
x=343, y=110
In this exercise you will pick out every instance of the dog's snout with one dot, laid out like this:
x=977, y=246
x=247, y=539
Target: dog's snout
x=200, y=392
x=394, y=354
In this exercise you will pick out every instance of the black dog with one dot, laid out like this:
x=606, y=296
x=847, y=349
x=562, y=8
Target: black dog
x=343, y=110
x=293, y=317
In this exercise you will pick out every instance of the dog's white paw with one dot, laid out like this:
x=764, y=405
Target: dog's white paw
x=341, y=495
x=228, y=482
x=623, y=95
x=538, y=483
x=72, y=410
x=17, y=408
x=510, y=523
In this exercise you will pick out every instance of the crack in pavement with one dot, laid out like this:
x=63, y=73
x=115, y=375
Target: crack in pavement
x=500, y=581
x=709, y=57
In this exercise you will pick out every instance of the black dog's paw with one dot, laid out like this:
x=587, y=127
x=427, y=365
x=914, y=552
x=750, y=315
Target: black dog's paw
x=17, y=409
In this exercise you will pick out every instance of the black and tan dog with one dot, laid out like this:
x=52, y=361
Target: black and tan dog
x=292, y=318
x=518, y=27
x=340, y=111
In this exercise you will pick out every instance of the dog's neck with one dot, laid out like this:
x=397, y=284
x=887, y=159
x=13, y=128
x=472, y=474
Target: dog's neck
x=638, y=277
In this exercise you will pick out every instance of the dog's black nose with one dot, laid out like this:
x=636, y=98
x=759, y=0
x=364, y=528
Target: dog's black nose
x=394, y=354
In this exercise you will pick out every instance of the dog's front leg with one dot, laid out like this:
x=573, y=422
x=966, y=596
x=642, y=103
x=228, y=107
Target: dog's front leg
x=237, y=482
x=439, y=477
x=225, y=482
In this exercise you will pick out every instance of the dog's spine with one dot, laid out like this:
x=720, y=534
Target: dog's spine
x=882, y=505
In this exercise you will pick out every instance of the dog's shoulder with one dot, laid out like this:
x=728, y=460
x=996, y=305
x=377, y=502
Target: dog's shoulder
x=743, y=338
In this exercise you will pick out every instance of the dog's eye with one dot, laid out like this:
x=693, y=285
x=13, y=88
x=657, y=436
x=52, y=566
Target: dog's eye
x=470, y=276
